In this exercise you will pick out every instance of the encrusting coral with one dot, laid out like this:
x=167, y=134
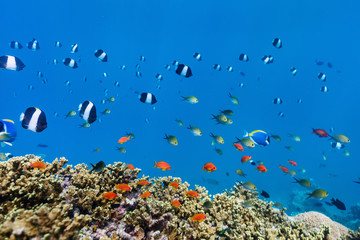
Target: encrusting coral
x=65, y=202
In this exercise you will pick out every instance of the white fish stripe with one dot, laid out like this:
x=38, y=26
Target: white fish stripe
x=184, y=71
x=34, y=120
x=87, y=111
x=102, y=56
x=148, y=98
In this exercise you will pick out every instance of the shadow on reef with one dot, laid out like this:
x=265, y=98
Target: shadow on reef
x=66, y=202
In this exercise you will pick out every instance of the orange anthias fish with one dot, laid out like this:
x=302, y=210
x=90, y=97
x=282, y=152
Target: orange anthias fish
x=162, y=165
x=123, y=187
x=209, y=167
x=292, y=163
x=238, y=146
x=145, y=195
x=130, y=166
x=245, y=159
x=176, y=203
x=192, y=194
x=38, y=164
x=198, y=217
x=143, y=183
x=123, y=139
x=284, y=169
x=174, y=185
x=261, y=168
x=109, y=195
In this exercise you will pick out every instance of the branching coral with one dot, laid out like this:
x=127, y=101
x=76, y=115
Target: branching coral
x=65, y=202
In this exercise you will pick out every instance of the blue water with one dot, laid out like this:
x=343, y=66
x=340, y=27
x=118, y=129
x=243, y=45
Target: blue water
x=164, y=31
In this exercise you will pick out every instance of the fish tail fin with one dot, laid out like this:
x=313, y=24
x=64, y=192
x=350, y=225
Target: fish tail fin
x=238, y=139
x=313, y=130
x=211, y=134
x=92, y=168
x=296, y=180
x=309, y=196
x=246, y=134
x=189, y=127
x=166, y=136
x=155, y=164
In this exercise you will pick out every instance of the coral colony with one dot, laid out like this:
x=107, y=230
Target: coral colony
x=54, y=201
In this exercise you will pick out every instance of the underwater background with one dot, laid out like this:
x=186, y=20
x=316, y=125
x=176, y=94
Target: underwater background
x=164, y=31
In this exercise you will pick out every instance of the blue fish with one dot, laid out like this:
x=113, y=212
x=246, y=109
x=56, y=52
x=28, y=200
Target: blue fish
x=7, y=131
x=259, y=137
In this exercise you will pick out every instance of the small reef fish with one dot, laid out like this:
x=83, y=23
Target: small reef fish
x=248, y=185
x=303, y=182
x=346, y=153
x=240, y=173
x=296, y=138
x=97, y=150
x=192, y=194
x=85, y=125
x=247, y=142
x=111, y=99
x=179, y=122
x=357, y=181
x=171, y=139
x=131, y=135
x=121, y=149
x=220, y=119
x=123, y=187
x=98, y=167
x=109, y=195
x=38, y=165
x=195, y=130
x=183, y=70
x=33, y=119
x=198, y=217
x=320, y=132
x=261, y=168
x=238, y=146
x=147, y=98
x=174, y=185
x=264, y=194
x=190, y=99
x=259, y=137
x=143, y=183
x=218, y=151
x=207, y=204
x=209, y=167
x=290, y=148
x=87, y=111
x=176, y=203
x=106, y=112
x=245, y=158
x=284, y=169
x=340, y=138
x=11, y=63
x=291, y=173
x=217, y=138
x=233, y=99
x=162, y=165
x=227, y=112
x=145, y=195
x=130, y=166
x=276, y=137
x=7, y=132
x=318, y=194
x=292, y=163
x=338, y=204
x=70, y=114
x=123, y=139
x=277, y=205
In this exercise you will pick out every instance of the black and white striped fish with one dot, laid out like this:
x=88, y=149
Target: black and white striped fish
x=33, y=119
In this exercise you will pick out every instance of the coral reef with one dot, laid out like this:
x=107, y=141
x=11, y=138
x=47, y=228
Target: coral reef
x=65, y=202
